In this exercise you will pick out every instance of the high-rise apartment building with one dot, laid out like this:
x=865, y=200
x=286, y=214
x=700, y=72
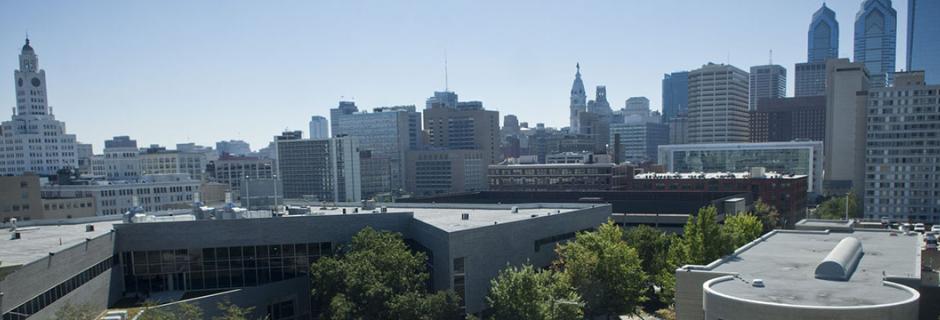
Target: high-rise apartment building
x=788, y=119
x=876, y=39
x=386, y=133
x=675, y=94
x=718, y=104
x=468, y=126
x=923, y=38
x=319, y=127
x=846, y=93
x=319, y=169
x=33, y=140
x=578, y=100
x=823, y=36
x=903, y=153
x=769, y=81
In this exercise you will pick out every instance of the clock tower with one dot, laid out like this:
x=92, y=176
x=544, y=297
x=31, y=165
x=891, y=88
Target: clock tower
x=30, y=84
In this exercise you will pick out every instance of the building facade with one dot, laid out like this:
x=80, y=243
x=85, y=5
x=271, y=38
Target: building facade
x=467, y=127
x=639, y=142
x=823, y=36
x=675, y=94
x=33, y=140
x=902, y=163
x=120, y=159
x=718, y=104
x=551, y=177
x=319, y=127
x=788, y=119
x=323, y=170
x=233, y=147
x=149, y=193
x=433, y=172
x=234, y=170
x=386, y=133
x=795, y=157
x=876, y=34
x=769, y=81
x=162, y=161
x=923, y=38
x=810, y=79
x=846, y=94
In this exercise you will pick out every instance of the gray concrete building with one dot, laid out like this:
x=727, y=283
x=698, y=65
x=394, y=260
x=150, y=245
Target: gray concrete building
x=639, y=142
x=718, y=104
x=267, y=259
x=321, y=169
x=846, y=93
x=233, y=170
x=114, y=197
x=903, y=150
x=432, y=172
x=768, y=81
x=468, y=126
x=836, y=273
x=810, y=79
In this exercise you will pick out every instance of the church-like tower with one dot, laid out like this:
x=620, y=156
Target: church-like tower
x=578, y=99
x=33, y=140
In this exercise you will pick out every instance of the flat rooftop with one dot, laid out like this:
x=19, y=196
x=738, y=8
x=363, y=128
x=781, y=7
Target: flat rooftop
x=713, y=175
x=38, y=241
x=787, y=260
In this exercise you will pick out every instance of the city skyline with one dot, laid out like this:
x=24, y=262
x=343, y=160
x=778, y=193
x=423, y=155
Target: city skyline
x=249, y=72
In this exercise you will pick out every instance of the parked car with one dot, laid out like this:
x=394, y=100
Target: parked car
x=935, y=228
x=931, y=241
x=919, y=227
x=904, y=227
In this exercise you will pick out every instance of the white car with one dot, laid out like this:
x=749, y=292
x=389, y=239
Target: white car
x=935, y=228
x=904, y=227
x=919, y=227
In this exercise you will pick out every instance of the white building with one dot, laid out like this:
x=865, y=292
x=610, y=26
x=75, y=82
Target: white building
x=153, y=193
x=119, y=161
x=161, y=161
x=319, y=127
x=718, y=102
x=33, y=140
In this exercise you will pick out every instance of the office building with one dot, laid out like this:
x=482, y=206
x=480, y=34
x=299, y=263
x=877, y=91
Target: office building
x=578, y=100
x=319, y=127
x=226, y=259
x=432, y=172
x=636, y=110
x=788, y=119
x=84, y=152
x=597, y=128
x=566, y=171
x=796, y=157
x=120, y=159
x=467, y=127
x=675, y=94
x=903, y=151
x=639, y=142
x=386, y=133
x=233, y=147
x=846, y=86
x=234, y=170
x=447, y=99
x=679, y=129
x=810, y=79
x=33, y=140
x=786, y=193
x=769, y=81
x=321, y=170
x=344, y=108
x=823, y=36
x=876, y=35
x=158, y=160
x=923, y=38
x=116, y=197
x=718, y=104
x=838, y=273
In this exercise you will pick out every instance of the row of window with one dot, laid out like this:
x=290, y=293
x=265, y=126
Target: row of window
x=46, y=298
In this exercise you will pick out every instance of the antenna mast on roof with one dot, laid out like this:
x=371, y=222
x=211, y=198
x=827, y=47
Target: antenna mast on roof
x=446, y=84
x=771, y=56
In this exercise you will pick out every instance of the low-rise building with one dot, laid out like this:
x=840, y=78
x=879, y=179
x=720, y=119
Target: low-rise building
x=431, y=172
x=567, y=172
x=233, y=170
x=150, y=193
x=158, y=160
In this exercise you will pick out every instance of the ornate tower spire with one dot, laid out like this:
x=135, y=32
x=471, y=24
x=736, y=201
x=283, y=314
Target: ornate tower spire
x=578, y=99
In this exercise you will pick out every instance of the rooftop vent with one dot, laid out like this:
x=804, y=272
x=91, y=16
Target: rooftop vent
x=384, y=209
x=89, y=228
x=840, y=263
x=464, y=216
x=758, y=283
x=16, y=236
x=514, y=209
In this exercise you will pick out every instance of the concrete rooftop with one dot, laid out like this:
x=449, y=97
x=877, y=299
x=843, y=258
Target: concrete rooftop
x=38, y=241
x=787, y=260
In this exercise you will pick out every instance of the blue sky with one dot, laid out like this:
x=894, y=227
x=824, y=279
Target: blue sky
x=165, y=72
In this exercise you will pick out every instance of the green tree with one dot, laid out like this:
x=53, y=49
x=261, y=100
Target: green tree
x=83, y=311
x=703, y=237
x=183, y=310
x=677, y=256
x=834, y=208
x=768, y=215
x=529, y=294
x=651, y=245
x=605, y=271
x=424, y=306
x=231, y=311
x=742, y=228
x=370, y=279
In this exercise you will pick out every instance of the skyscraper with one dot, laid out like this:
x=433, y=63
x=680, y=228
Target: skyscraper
x=768, y=81
x=467, y=127
x=578, y=99
x=846, y=86
x=33, y=140
x=923, y=38
x=344, y=108
x=718, y=104
x=319, y=127
x=325, y=169
x=675, y=94
x=876, y=39
x=823, y=36
x=386, y=134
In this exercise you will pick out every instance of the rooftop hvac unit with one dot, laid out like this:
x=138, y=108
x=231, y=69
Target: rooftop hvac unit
x=89, y=228
x=384, y=209
x=16, y=236
x=464, y=216
x=514, y=209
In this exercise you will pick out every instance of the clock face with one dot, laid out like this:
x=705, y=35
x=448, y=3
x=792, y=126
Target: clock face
x=19, y=82
x=35, y=82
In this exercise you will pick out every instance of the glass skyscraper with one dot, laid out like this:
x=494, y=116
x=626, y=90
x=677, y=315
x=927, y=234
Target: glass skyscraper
x=675, y=94
x=823, y=36
x=923, y=38
x=876, y=31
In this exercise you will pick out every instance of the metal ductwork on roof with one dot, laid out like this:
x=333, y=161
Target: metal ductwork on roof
x=840, y=263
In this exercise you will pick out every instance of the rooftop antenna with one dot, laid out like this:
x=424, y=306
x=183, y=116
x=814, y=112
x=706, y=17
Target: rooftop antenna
x=771, y=56
x=446, y=84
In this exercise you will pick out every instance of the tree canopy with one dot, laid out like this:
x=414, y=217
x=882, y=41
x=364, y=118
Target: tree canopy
x=377, y=277
x=529, y=294
x=834, y=208
x=742, y=228
x=605, y=271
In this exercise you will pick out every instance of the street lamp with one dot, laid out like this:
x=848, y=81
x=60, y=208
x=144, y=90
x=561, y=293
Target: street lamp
x=247, y=194
x=275, y=192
